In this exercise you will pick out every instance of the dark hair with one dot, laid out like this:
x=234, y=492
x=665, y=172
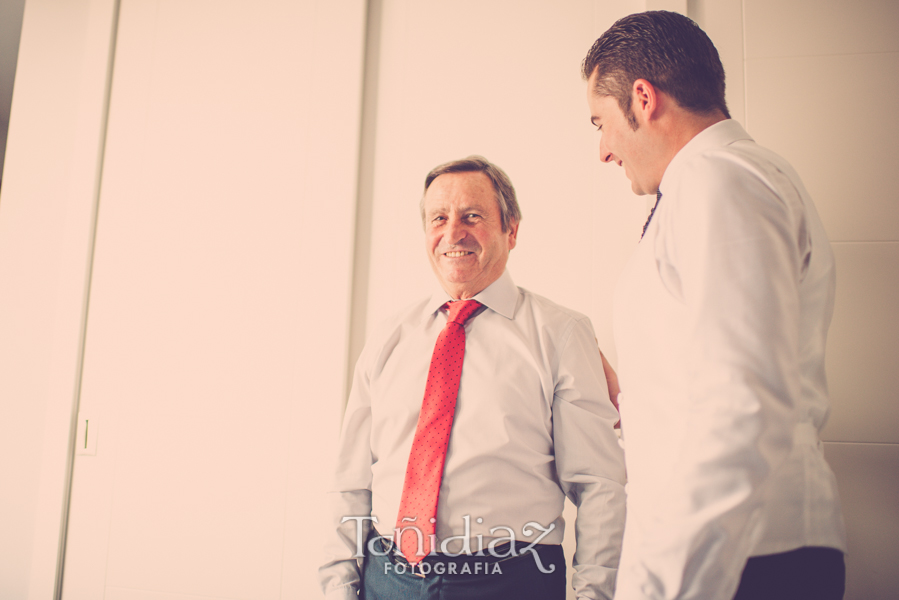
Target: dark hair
x=668, y=50
x=505, y=193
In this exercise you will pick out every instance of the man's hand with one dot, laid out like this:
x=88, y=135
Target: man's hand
x=612, y=382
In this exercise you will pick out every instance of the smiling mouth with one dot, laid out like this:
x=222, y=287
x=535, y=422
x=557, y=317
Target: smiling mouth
x=456, y=254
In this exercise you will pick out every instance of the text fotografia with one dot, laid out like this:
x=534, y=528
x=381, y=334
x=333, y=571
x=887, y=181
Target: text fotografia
x=499, y=548
x=451, y=568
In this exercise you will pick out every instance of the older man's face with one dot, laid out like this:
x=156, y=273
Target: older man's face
x=464, y=237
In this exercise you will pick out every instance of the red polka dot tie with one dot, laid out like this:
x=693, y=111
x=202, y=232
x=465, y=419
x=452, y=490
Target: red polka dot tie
x=421, y=488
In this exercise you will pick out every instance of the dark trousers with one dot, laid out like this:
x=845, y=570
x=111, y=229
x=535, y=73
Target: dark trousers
x=804, y=574
x=486, y=577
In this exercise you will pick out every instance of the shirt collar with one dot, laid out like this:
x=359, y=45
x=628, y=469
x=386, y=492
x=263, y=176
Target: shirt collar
x=720, y=134
x=501, y=296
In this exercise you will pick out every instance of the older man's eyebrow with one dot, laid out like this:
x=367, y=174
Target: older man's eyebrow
x=462, y=210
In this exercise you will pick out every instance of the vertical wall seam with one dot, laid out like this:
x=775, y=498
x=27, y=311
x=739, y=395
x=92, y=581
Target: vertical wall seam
x=82, y=334
x=358, y=304
x=745, y=66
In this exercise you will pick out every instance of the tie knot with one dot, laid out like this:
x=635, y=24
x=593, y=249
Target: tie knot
x=461, y=310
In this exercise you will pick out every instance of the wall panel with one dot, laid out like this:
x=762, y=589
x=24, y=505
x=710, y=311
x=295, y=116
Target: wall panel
x=863, y=344
x=820, y=27
x=810, y=110
x=50, y=184
x=217, y=331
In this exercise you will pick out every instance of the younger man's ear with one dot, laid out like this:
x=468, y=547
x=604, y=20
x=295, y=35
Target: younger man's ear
x=644, y=98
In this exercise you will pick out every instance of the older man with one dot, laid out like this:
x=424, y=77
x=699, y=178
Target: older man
x=470, y=480
x=721, y=317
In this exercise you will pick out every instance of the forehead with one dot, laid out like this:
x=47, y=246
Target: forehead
x=465, y=189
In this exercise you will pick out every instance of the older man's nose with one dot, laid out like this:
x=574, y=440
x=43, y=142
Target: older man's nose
x=455, y=231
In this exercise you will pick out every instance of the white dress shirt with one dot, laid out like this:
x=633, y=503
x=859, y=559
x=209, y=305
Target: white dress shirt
x=721, y=319
x=533, y=423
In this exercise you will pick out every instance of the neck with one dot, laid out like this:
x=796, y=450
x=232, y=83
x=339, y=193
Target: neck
x=686, y=125
x=462, y=294
x=675, y=130
x=470, y=289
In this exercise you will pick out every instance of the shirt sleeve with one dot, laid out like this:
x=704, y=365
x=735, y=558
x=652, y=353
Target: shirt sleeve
x=589, y=462
x=350, y=495
x=735, y=251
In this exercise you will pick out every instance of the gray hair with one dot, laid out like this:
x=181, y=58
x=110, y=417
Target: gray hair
x=505, y=193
